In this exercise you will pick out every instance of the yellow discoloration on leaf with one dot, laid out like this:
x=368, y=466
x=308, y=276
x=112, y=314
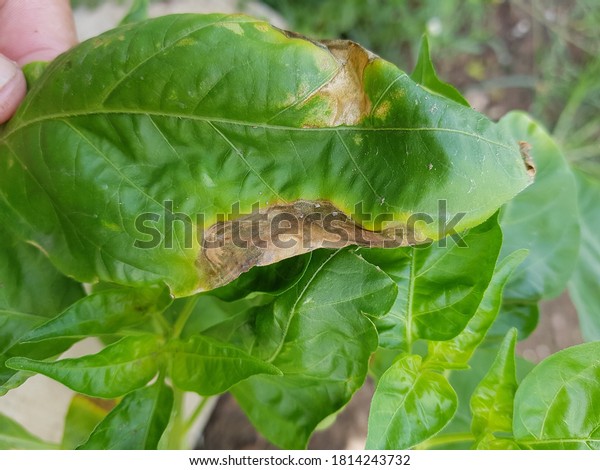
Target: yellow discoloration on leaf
x=236, y=28
x=187, y=42
x=382, y=110
x=262, y=27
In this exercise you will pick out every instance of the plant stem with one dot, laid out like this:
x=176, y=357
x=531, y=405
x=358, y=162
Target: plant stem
x=446, y=439
x=175, y=431
x=194, y=416
x=184, y=315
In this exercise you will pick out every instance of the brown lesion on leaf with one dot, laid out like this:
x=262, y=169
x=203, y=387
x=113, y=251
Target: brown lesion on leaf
x=345, y=92
x=525, y=148
x=268, y=235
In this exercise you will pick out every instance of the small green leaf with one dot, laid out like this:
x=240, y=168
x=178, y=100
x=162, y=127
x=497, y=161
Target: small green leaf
x=208, y=367
x=492, y=400
x=116, y=370
x=457, y=351
x=136, y=423
x=544, y=220
x=458, y=435
x=137, y=12
x=410, y=405
x=33, y=71
x=9, y=378
x=523, y=315
x=13, y=436
x=557, y=406
x=83, y=416
x=105, y=312
x=585, y=282
x=318, y=333
x=424, y=74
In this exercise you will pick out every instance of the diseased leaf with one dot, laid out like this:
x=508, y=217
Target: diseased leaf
x=410, y=405
x=439, y=287
x=457, y=351
x=105, y=312
x=122, y=155
x=492, y=400
x=531, y=221
x=208, y=367
x=118, y=369
x=318, y=333
x=584, y=285
x=557, y=406
x=424, y=74
x=136, y=423
x=13, y=436
x=83, y=416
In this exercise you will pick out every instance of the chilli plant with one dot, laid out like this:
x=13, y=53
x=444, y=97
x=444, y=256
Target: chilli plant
x=232, y=207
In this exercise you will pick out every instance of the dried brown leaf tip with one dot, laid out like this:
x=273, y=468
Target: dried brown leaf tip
x=525, y=148
x=266, y=236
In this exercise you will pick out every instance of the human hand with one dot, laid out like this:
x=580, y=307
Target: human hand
x=30, y=30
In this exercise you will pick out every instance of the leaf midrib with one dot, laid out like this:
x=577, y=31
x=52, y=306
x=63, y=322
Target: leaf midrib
x=253, y=125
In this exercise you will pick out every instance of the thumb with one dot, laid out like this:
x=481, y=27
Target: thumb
x=30, y=30
x=12, y=88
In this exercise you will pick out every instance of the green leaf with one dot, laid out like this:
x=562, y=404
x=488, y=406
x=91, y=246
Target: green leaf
x=118, y=369
x=13, y=436
x=208, y=367
x=492, y=400
x=136, y=423
x=31, y=291
x=424, y=74
x=318, y=333
x=13, y=325
x=28, y=282
x=490, y=442
x=457, y=434
x=542, y=219
x=522, y=315
x=557, y=406
x=457, y=351
x=33, y=71
x=109, y=154
x=137, y=12
x=105, y=312
x=439, y=287
x=585, y=282
x=83, y=416
x=410, y=405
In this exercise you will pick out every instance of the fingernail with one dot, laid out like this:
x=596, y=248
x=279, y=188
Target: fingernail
x=8, y=70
